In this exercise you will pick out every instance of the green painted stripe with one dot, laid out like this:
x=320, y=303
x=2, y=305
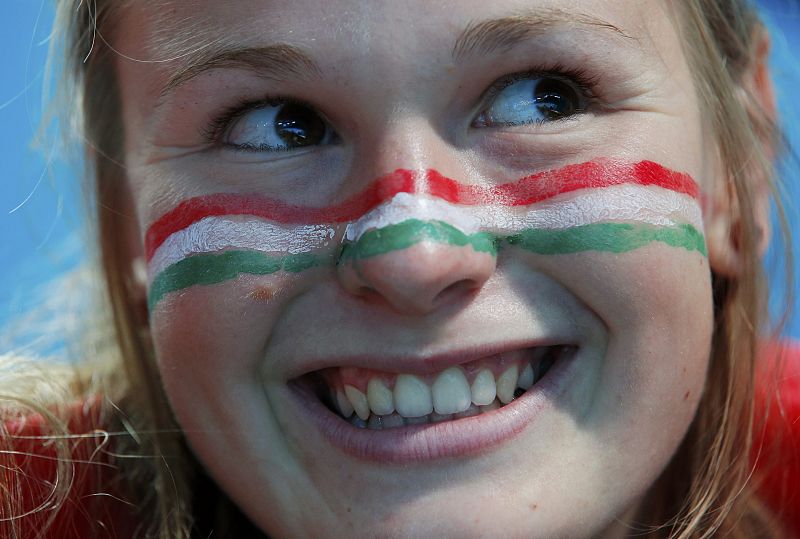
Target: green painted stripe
x=607, y=237
x=212, y=268
x=404, y=235
x=204, y=269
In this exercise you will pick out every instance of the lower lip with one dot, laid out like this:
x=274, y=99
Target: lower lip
x=457, y=438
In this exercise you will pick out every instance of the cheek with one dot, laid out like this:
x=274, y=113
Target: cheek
x=666, y=317
x=657, y=306
x=213, y=335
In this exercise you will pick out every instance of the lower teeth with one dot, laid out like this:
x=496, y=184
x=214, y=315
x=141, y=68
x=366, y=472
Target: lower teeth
x=381, y=422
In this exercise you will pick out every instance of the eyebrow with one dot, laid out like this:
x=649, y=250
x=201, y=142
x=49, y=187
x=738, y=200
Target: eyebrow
x=277, y=61
x=500, y=35
x=282, y=60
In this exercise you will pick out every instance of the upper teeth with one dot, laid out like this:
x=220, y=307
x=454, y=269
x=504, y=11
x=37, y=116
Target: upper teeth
x=484, y=390
x=506, y=384
x=450, y=393
x=412, y=396
x=380, y=397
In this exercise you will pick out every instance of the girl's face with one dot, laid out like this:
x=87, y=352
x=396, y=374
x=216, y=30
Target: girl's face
x=418, y=268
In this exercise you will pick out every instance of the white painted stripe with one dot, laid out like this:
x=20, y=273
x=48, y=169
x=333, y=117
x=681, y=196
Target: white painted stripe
x=619, y=203
x=404, y=206
x=212, y=234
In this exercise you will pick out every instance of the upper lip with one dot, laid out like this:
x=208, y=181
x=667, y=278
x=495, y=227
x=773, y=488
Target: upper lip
x=430, y=363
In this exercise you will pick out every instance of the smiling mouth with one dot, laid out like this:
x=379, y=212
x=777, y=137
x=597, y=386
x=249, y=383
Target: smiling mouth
x=378, y=400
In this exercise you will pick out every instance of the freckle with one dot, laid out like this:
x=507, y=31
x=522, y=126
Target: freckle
x=534, y=506
x=686, y=395
x=262, y=293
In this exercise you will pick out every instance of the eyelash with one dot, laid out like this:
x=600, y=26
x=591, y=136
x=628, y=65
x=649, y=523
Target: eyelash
x=585, y=82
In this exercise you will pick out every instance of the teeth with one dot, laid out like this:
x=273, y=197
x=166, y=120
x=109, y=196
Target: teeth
x=345, y=407
x=483, y=388
x=469, y=412
x=393, y=420
x=506, y=384
x=491, y=407
x=359, y=402
x=379, y=397
x=451, y=393
x=358, y=422
x=412, y=396
x=526, y=377
x=414, y=402
x=375, y=422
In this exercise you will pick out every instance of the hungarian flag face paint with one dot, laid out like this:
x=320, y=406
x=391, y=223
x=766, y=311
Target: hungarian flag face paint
x=596, y=206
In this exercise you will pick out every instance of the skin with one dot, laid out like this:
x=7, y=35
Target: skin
x=388, y=85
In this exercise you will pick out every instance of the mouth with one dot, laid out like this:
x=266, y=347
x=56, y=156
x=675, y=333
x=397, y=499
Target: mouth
x=397, y=416
x=378, y=400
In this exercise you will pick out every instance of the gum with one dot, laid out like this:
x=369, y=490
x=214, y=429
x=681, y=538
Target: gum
x=359, y=377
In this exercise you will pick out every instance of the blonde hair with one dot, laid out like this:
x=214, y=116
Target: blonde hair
x=705, y=489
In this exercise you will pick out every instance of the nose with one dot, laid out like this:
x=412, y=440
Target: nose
x=416, y=265
x=417, y=278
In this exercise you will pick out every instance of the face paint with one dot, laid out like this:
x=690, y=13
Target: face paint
x=662, y=208
x=248, y=246
x=213, y=234
x=555, y=212
x=596, y=206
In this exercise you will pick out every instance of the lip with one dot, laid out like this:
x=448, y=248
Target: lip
x=457, y=438
x=429, y=364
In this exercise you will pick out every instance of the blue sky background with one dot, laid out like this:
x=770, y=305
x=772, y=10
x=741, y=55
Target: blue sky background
x=40, y=200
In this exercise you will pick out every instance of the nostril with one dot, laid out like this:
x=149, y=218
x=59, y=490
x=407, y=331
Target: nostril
x=460, y=288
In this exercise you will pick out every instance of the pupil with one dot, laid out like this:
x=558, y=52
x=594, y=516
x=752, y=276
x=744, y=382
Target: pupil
x=297, y=125
x=555, y=99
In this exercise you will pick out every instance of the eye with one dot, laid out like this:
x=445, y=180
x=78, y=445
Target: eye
x=533, y=100
x=278, y=127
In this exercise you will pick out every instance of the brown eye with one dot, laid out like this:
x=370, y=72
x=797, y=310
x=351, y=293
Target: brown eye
x=555, y=99
x=298, y=126
x=533, y=100
x=283, y=126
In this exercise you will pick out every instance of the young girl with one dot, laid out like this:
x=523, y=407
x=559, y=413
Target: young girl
x=414, y=269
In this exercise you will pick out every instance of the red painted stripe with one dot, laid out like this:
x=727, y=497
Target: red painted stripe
x=528, y=190
x=192, y=210
x=544, y=185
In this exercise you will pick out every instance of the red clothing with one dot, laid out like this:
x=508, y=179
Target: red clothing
x=93, y=510
x=776, y=448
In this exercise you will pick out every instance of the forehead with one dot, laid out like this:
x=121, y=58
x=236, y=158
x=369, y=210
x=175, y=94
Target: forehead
x=178, y=34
